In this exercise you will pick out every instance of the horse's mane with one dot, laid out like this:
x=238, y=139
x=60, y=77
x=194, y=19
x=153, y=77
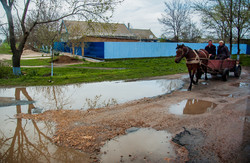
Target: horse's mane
x=181, y=46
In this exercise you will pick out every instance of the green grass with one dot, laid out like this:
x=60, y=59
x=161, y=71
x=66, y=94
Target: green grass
x=5, y=49
x=36, y=62
x=5, y=71
x=244, y=59
x=33, y=62
x=134, y=69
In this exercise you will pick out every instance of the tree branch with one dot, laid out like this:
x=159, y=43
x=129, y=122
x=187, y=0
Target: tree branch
x=24, y=15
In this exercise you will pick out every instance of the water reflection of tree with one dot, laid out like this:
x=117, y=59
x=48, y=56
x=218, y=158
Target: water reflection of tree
x=25, y=147
x=57, y=96
x=169, y=85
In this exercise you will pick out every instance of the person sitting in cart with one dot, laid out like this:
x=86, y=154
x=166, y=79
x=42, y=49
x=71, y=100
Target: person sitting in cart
x=211, y=49
x=222, y=51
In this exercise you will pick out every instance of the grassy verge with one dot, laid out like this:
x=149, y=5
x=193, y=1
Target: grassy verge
x=134, y=69
x=244, y=59
x=32, y=62
x=5, y=49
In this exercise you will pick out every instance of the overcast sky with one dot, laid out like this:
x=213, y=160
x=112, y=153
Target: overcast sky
x=141, y=14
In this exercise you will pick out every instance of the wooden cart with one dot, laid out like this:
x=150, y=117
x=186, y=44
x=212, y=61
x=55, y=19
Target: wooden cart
x=223, y=67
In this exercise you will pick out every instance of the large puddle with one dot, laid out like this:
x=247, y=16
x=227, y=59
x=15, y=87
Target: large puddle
x=142, y=145
x=192, y=106
x=92, y=95
x=29, y=141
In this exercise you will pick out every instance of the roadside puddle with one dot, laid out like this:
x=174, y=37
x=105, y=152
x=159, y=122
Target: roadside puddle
x=192, y=107
x=139, y=145
x=90, y=95
x=241, y=85
x=27, y=140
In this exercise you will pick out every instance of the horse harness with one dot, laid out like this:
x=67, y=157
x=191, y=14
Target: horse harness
x=197, y=59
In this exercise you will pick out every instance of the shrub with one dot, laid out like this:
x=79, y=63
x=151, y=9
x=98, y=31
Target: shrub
x=5, y=70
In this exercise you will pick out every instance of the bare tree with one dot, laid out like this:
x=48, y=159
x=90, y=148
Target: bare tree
x=175, y=17
x=241, y=19
x=41, y=11
x=190, y=32
x=224, y=16
x=4, y=31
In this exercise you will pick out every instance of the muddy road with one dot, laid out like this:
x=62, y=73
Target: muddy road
x=209, y=124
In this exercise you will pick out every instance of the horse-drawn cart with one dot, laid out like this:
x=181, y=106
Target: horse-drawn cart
x=223, y=67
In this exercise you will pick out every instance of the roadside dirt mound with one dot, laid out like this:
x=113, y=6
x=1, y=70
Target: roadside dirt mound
x=29, y=52
x=29, y=47
x=66, y=59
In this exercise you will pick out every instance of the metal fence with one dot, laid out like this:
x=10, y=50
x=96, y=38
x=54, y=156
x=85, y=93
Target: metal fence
x=119, y=50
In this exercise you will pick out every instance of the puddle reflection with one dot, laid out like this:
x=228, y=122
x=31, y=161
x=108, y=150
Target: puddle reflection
x=192, y=106
x=29, y=141
x=92, y=95
x=141, y=145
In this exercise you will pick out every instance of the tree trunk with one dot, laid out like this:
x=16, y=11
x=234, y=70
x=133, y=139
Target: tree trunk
x=231, y=26
x=238, y=28
x=16, y=54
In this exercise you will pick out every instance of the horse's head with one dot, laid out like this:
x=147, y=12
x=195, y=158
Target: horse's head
x=181, y=52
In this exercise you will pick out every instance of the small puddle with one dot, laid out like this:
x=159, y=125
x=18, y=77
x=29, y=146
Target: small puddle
x=241, y=85
x=192, y=106
x=139, y=145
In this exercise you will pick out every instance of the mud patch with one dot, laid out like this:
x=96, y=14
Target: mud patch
x=192, y=106
x=66, y=59
x=140, y=145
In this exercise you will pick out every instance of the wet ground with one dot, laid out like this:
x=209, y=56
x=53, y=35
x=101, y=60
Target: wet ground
x=140, y=145
x=36, y=136
x=215, y=117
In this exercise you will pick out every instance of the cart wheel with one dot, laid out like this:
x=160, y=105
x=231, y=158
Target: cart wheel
x=225, y=74
x=237, y=71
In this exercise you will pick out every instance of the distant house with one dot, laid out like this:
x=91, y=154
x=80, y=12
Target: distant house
x=103, y=32
x=144, y=35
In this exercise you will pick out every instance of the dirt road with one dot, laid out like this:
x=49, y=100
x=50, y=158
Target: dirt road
x=221, y=134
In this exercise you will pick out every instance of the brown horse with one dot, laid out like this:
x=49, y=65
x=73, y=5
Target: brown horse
x=196, y=62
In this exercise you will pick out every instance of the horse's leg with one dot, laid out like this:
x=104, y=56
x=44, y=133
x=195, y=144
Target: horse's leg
x=191, y=75
x=198, y=75
x=205, y=69
x=194, y=72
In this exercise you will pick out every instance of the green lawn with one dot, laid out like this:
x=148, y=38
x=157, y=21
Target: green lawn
x=33, y=62
x=134, y=69
x=5, y=49
x=244, y=59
